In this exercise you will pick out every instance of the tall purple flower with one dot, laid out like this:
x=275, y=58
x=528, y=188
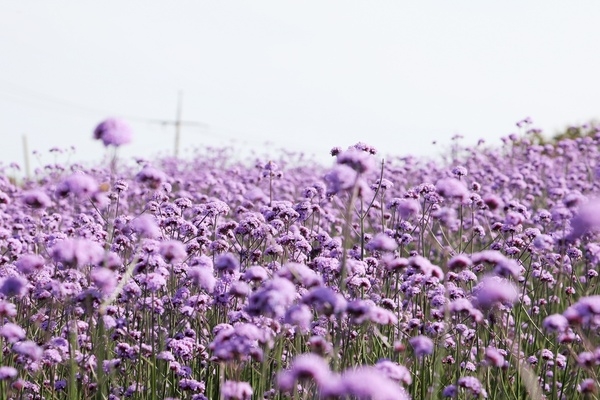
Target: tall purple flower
x=173, y=251
x=233, y=390
x=192, y=385
x=325, y=300
x=305, y=366
x=394, y=371
x=472, y=385
x=79, y=184
x=452, y=188
x=203, y=277
x=13, y=286
x=227, y=263
x=30, y=263
x=422, y=345
x=494, y=357
x=36, y=199
x=28, y=349
x=493, y=290
x=584, y=311
x=77, y=252
x=382, y=242
x=272, y=299
x=8, y=373
x=151, y=176
x=340, y=178
x=113, y=132
x=586, y=220
x=555, y=323
x=145, y=226
x=364, y=383
x=12, y=332
x=358, y=160
x=104, y=279
x=406, y=208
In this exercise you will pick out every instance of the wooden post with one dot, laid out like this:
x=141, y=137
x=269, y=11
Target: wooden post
x=178, y=123
x=26, y=156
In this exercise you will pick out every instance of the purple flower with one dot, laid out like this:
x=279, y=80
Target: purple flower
x=364, y=147
x=586, y=220
x=272, y=298
x=305, y=366
x=192, y=385
x=29, y=263
x=406, y=208
x=394, y=371
x=7, y=309
x=80, y=185
x=153, y=281
x=13, y=286
x=29, y=349
x=145, y=226
x=104, y=279
x=325, y=301
x=227, y=263
x=255, y=273
x=233, y=390
x=450, y=391
x=508, y=268
x=300, y=274
x=494, y=357
x=239, y=343
x=12, y=332
x=358, y=160
x=459, y=262
x=364, y=383
x=203, y=277
x=173, y=251
x=382, y=316
x=488, y=256
x=77, y=252
x=585, y=310
x=472, y=385
x=452, y=188
x=151, y=176
x=493, y=202
x=425, y=267
x=299, y=315
x=555, y=323
x=113, y=132
x=463, y=305
x=493, y=290
x=36, y=199
x=8, y=373
x=588, y=386
x=239, y=289
x=382, y=242
x=422, y=345
x=340, y=178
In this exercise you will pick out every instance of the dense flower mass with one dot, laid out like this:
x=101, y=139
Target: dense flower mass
x=473, y=277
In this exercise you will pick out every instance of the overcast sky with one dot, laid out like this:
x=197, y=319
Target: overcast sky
x=304, y=75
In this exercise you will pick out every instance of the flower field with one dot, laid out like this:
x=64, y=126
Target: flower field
x=475, y=277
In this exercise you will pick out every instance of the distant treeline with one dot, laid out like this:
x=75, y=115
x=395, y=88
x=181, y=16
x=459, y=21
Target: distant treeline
x=572, y=132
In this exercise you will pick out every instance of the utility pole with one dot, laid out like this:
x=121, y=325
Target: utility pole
x=178, y=122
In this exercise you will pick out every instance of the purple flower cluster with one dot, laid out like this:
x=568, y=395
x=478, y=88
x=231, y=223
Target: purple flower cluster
x=215, y=279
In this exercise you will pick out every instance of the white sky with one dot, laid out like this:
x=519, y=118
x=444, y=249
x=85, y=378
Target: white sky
x=305, y=76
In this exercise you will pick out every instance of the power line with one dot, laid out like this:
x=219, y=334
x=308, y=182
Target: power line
x=37, y=96
x=30, y=96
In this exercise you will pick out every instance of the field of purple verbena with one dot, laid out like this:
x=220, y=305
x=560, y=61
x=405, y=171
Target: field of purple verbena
x=371, y=279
